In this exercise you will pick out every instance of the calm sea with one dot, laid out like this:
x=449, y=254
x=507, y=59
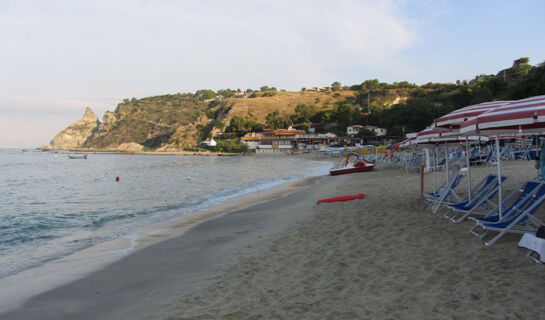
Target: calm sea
x=52, y=206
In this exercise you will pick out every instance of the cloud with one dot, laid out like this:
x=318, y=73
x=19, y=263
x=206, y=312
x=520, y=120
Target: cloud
x=186, y=45
x=59, y=56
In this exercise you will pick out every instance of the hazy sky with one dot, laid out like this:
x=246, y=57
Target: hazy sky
x=58, y=57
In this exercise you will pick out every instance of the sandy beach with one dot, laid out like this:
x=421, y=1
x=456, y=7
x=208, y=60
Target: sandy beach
x=383, y=257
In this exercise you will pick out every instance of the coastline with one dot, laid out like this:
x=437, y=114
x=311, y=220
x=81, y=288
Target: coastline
x=167, y=153
x=19, y=287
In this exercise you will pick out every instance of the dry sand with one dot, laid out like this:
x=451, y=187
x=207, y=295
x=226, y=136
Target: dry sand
x=383, y=257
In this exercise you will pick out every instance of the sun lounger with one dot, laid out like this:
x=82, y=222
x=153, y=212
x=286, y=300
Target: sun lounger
x=453, y=180
x=447, y=191
x=534, y=245
x=517, y=219
x=515, y=200
x=483, y=194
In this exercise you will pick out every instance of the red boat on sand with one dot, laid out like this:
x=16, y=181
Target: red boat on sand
x=358, y=165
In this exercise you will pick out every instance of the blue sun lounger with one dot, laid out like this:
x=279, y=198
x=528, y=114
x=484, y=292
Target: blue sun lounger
x=446, y=192
x=483, y=193
x=517, y=219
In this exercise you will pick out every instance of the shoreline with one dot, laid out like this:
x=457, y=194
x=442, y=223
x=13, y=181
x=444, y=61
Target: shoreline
x=170, y=153
x=17, y=288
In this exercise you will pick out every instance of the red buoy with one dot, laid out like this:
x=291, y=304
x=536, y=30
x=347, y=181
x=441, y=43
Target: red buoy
x=116, y=178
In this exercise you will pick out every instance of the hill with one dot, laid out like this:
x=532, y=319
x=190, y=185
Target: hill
x=176, y=121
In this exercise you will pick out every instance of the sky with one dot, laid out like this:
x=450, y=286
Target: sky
x=59, y=56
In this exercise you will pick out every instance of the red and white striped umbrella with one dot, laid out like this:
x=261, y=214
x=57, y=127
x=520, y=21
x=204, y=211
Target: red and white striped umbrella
x=407, y=142
x=523, y=116
x=428, y=133
x=452, y=120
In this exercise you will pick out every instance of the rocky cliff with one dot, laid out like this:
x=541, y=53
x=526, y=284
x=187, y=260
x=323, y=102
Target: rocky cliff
x=177, y=121
x=78, y=133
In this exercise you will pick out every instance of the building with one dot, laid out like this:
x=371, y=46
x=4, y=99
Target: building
x=210, y=143
x=284, y=140
x=280, y=140
x=355, y=129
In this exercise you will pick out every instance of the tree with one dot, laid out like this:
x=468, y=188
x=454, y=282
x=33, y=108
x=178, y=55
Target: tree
x=210, y=114
x=227, y=93
x=264, y=88
x=205, y=94
x=336, y=86
x=275, y=120
x=219, y=125
x=368, y=87
x=365, y=133
x=237, y=123
x=303, y=113
x=342, y=115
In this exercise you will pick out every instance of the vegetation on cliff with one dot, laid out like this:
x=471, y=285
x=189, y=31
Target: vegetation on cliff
x=176, y=121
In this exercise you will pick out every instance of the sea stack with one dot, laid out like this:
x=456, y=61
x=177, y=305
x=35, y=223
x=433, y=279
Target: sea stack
x=77, y=133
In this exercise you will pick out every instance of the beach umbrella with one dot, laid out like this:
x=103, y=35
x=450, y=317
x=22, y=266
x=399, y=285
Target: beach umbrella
x=394, y=146
x=451, y=123
x=525, y=116
x=448, y=142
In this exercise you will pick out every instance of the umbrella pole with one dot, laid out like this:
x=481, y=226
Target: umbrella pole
x=406, y=161
x=498, y=160
x=446, y=163
x=468, y=169
x=434, y=167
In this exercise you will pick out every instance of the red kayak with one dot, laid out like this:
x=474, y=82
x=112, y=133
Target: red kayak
x=343, y=198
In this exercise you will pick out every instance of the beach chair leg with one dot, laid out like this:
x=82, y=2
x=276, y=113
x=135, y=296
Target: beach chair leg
x=481, y=235
x=462, y=218
x=531, y=254
x=448, y=213
x=484, y=234
x=472, y=230
x=496, y=238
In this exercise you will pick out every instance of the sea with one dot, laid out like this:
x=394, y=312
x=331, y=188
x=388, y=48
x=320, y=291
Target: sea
x=52, y=206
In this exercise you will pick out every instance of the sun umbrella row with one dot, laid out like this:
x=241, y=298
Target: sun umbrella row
x=481, y=121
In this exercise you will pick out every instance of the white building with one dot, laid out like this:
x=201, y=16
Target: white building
x=210, y=143
x=355, y=129
x=283, y=140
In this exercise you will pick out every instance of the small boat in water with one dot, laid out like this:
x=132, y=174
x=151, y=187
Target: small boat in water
x=358, y=165
x=77, y=156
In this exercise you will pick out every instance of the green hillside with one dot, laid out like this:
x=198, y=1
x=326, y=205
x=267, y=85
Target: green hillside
x=175, y=121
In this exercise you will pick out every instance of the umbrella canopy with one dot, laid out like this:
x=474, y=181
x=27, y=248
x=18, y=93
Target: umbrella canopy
x=453, y=120
x=428, y=133
x=394, y=146
x=517, y=117
x=407, y=142
x=525, y=116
